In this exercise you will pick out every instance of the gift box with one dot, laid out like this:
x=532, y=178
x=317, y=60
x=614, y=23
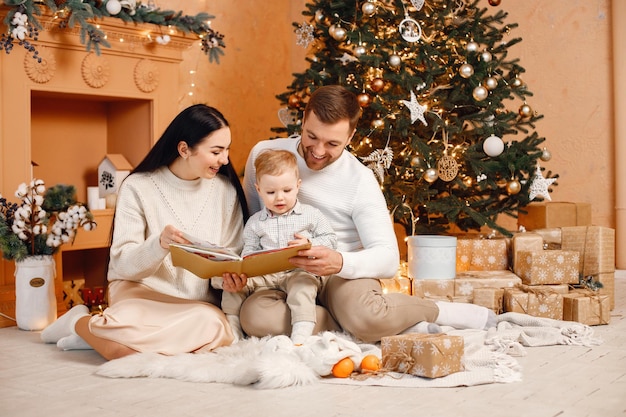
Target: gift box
x=538, y=303
x=492, y=298
x=527, y=241
x=476, y=253
x=554, y=214
x=466, y=282
x=451, y=299
x=586, y=307
x=431, y=257
x=425, y=355
x=596, y=245
x=551, y=238
x=548, y=267
x=557, y=288
x=433, y=287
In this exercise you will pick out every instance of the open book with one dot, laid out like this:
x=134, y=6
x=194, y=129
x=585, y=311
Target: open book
x=210, y=260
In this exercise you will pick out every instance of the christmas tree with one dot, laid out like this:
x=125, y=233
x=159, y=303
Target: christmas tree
x=446, y=125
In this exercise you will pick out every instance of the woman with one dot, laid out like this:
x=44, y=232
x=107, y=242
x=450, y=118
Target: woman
x=185, y=184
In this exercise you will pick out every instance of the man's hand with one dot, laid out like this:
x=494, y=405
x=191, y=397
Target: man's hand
x=233, y=282
x=319, y=260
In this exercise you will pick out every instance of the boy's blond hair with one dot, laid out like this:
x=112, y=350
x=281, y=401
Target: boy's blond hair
x=275, y=162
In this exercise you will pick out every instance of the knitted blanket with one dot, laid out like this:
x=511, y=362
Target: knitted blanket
x=274, y=362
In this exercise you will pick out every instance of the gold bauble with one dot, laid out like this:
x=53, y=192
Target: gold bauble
x=368, y=8
x=513, y=187
x=546, y=155
x=491, y=83
x=480, y=93
x=494, y=2
x=525, y=110
x=338, y=33
x=378, y=123
x=430, y=175
x=377, y=85
x=294, y=101
x=395, y=61
x=363, y=99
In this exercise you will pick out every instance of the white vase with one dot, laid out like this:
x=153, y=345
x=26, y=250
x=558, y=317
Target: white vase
x=35, y=302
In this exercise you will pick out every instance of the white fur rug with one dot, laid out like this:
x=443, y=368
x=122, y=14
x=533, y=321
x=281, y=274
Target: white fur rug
x=274, y=362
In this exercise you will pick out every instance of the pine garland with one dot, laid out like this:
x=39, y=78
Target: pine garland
x=23, y=23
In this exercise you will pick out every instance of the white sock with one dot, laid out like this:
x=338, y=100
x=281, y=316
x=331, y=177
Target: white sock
x=423, y=327
x=463, y=315
x=64, y=325
x=235, y=326
x=73, y=342
x=301, y=330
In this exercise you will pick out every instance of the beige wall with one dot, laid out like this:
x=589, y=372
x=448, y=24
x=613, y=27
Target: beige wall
x=566, y=51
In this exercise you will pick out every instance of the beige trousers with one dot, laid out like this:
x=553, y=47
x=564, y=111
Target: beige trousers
x=357, y=306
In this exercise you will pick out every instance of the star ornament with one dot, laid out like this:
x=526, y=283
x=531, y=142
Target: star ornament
x=417, y=110
x=539, y=186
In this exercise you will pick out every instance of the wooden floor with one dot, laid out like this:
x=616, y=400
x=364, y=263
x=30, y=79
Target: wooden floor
x=37, y=379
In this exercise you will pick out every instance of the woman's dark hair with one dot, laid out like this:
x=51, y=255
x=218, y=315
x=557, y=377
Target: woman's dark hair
x=192, y=126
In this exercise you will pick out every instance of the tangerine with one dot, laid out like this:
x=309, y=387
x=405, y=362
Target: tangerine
x=370, y=363
x=343, y=368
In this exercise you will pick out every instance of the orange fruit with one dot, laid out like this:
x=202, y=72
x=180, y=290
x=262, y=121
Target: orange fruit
x=370, y=363
x=343, y=368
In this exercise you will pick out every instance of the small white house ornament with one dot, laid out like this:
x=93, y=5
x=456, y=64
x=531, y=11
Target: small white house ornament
x=111, y=172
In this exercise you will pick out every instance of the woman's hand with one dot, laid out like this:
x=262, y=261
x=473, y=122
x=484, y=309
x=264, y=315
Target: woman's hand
x=233, y=282
x=170, y=234
x=319, y=260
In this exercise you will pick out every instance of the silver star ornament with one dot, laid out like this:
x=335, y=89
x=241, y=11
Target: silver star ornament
x=417, y=110
x=539, y=186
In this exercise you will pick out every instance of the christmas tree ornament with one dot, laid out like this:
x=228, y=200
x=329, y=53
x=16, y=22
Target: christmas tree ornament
x=517, y=82
x=525, y=111
x=394, y=60
x=494, y=2
x=416, y=109
x=466, y=70
x=378, y=161
x=364, y=100
x=468, y=181
x=360, y=50
x=377, y=85
x=338, y=33
x=346, y=58
x=113, y=7
x=545, y=155
x=491, y=83
x=409, y=29
x=447, y=168
x=304, y=35
x=486, y=56
x=377, y=123
x=287, y=116
x=320, y=17
x=493, y=146
x=294, y=101
x=513, y=187
x=471, y=46
x=417, y=162
x=418, y=4
x=539, y=186
x=480, y=93
x=368, y=8
x=430, y=175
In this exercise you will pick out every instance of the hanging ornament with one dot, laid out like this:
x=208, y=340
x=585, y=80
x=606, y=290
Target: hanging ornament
x=360, y=50
x=418, y=4
x=338, y=33
x=471, y=46
x=539, y=185
x=545, y=155
x=494, y=2
x=466, y=70
x=346, y=58
x=368, y=8
x=525, y=111
x=394, y=60
x=417, y=110
x=513, y=187
x=113, y=7
x=378, y=123
x=294, y=101
x=304, y=35
x=493, y=146
x=430, y=175
x=517, y=82
x=486, y=56
x=287, y=116
x=377, y=85
x=417, y=162
x=364, y=100
x=379, y=160
x=447, y=168
x=491, y=83
x=409, y=29
x=320, y=17
x=480, y=93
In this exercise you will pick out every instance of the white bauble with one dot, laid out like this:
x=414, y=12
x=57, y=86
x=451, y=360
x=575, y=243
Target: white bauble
x=493, y=146
x=113, y=7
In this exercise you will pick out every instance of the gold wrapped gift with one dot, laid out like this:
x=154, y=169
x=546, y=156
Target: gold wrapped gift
x=476, y=253
x=538, y=303
x=433, y=287
x=554, y=214
x=466, y=282
x=586, y=307
x=425, y=355
x=492, y=298
x=548, y=267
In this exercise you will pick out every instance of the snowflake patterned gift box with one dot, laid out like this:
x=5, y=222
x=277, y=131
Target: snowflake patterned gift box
x=534, y=302
x=492, y=298
x=466, y=282
x=425, y=355
x=526, y=241
x=476, y=253
x=433, y=287
x=548, y=267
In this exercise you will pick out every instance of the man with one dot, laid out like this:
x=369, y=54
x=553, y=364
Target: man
x=347, y=193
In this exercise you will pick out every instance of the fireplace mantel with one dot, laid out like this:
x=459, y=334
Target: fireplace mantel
x=74, y=107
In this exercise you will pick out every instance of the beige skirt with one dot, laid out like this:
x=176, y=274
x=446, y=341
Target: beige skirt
x=148, y=321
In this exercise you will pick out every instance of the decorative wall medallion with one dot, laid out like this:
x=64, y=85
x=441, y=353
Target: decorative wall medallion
x=146, y=76
x=95, y=70
x=42, y=69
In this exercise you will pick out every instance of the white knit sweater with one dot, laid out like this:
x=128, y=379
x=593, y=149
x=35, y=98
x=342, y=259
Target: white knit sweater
x=147, y=202
x=349, y=195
